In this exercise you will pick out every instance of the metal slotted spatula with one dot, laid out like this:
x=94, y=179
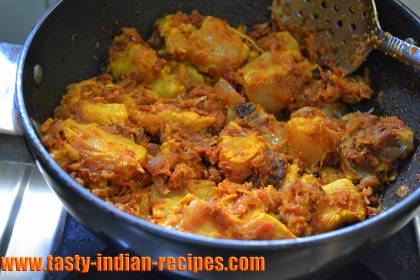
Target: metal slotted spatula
x=341, y=33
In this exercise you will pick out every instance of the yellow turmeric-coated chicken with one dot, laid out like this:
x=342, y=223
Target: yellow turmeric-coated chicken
x=208, y=43
x=312, y=139
x=130, y=58
x=238, y=148
x=345, y=205
x=98, y=153
x=273, y=79
x=103, y=114
x=211, y=130
x=282, y=78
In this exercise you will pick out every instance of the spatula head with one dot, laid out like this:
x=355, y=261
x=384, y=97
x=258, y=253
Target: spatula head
x=338, y=33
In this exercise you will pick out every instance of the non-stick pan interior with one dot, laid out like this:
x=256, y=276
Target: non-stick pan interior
x=71, y=45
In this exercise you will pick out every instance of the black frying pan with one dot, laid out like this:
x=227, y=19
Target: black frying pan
x=70, y=43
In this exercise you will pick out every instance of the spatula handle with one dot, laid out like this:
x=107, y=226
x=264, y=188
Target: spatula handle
x=402, y=50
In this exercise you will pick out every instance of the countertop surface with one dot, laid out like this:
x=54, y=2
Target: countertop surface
x=413, y=4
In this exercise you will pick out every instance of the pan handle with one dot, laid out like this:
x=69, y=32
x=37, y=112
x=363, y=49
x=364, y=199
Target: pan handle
x=9, y=57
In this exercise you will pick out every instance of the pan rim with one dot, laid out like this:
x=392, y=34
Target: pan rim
x=41, y=155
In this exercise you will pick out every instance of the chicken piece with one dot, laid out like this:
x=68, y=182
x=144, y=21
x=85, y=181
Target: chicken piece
x=269, y=169
x=352, y=89
x=273, y=79
x=150, y=122
x=312, y=139
x=202, y=218
x=96, y=153
x=253, y=117
x=130, y=58
x=180, y=162
x=198, y=218
x=179, y=120
x=201, y=188
x=164, y=204
x=266, y=165
x=246, y=218
x=182, y=172
x=204, y=100
x=237, y=149
x=300, y=199
x=264, y=226
x=241, y=201
x=372, y=144
x=178, y=208
x=282, y=78
x=346, y=205
x=186, y=120
x=187, y=74
x=175, y=79
x=96, y=90
x=144, y=206
x=291, y=176
x=329, y=88
x=83, y=90
x=102, y=114
x=237, y=212
x=167, y=85
x=214, y=47
x=280, y=42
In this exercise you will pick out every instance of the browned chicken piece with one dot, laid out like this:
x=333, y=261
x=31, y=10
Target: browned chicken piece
x=197, y=111
x=177, y=162
x=372, y=145
x=307, y=207
x=300, y=200
x=330, y=88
